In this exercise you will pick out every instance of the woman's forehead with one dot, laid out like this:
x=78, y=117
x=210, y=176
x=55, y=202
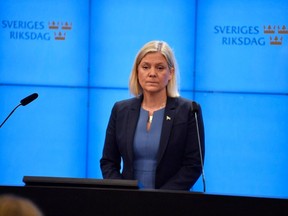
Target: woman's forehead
x=155, y=57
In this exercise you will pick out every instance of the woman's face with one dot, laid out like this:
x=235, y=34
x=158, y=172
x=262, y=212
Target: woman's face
x=154, y=73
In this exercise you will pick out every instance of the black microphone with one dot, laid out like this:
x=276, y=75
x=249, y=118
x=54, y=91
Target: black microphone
x=28, y=99
x=23, y=102
x=195, y=110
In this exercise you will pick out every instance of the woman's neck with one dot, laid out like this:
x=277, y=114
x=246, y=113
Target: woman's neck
x=154, y=102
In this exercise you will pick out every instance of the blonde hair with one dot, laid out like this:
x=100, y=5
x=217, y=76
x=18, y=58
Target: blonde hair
x=166, y=51
x=11, y=205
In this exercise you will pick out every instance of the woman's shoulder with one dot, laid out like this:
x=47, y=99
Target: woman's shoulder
x=130, y=102
x=182, y=103
x=181, y=100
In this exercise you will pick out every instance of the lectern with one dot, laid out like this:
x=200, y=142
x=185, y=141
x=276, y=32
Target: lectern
x=86, y=197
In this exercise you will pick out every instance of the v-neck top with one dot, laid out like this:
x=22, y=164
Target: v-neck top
x=146, y=145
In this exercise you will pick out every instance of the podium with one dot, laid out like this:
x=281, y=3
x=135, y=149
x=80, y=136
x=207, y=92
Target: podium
x=68, y=200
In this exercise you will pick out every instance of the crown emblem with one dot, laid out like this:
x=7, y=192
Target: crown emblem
x=53, y=25
x=60, y=36
x=282, y=30
x=61, y=27
x=67, y=26
x=269, y=29
x=276, y=41
x=278, y=31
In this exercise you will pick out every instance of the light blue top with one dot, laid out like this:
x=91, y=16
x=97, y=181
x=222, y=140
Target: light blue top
x=146, y=145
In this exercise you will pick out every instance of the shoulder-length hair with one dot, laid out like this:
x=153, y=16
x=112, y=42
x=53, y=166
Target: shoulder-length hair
x=166, y=51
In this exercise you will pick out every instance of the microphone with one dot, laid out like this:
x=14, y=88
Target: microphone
x=28, y=99
x=23, y=102
x=195, y=110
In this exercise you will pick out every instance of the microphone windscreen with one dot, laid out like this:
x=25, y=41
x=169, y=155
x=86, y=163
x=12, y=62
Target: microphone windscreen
x=28, y=99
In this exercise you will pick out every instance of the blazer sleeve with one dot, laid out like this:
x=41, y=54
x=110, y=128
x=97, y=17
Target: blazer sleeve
x=110, y=163
x=189, y=169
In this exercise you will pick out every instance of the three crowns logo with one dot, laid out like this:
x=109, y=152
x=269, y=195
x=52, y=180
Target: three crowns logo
x=278, y=30
x=60, y=29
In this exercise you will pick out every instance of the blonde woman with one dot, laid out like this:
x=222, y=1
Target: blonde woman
x=153, y=133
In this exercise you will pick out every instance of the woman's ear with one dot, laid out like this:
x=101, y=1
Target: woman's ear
x=172, y=71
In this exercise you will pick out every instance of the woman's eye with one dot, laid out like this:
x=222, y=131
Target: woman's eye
x=145, y=67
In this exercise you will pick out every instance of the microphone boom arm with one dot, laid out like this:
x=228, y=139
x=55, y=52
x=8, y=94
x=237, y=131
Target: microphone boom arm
x=10, y=114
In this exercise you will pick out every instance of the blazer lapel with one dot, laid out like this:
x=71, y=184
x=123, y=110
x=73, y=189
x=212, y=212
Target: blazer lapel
x=170, y=112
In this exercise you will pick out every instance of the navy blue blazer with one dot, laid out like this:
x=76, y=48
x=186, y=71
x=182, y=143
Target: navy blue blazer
x=179, y=164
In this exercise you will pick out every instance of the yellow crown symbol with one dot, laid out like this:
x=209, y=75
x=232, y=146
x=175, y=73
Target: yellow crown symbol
x=53, y=25
x=276, y=41
x=282, y=30
x=66, y=26
x=59, y=36
x=269, y=29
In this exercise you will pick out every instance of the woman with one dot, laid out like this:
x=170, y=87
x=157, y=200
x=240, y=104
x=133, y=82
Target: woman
x=154, y=133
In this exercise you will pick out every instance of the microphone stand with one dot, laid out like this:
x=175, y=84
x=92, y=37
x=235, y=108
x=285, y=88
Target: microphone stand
x=200, y=148
x=10, y=114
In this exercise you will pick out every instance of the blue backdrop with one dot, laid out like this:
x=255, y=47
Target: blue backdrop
x=77, y=55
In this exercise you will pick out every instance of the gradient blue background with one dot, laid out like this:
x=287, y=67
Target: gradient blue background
x=242, y=89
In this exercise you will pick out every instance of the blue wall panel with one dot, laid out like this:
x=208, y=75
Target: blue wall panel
x=29, y=52
x=233, y=51
x=120, y=28
x=46, y=137
x=246, y=143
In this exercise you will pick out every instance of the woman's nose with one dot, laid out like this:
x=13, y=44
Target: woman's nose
x=152, y=72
